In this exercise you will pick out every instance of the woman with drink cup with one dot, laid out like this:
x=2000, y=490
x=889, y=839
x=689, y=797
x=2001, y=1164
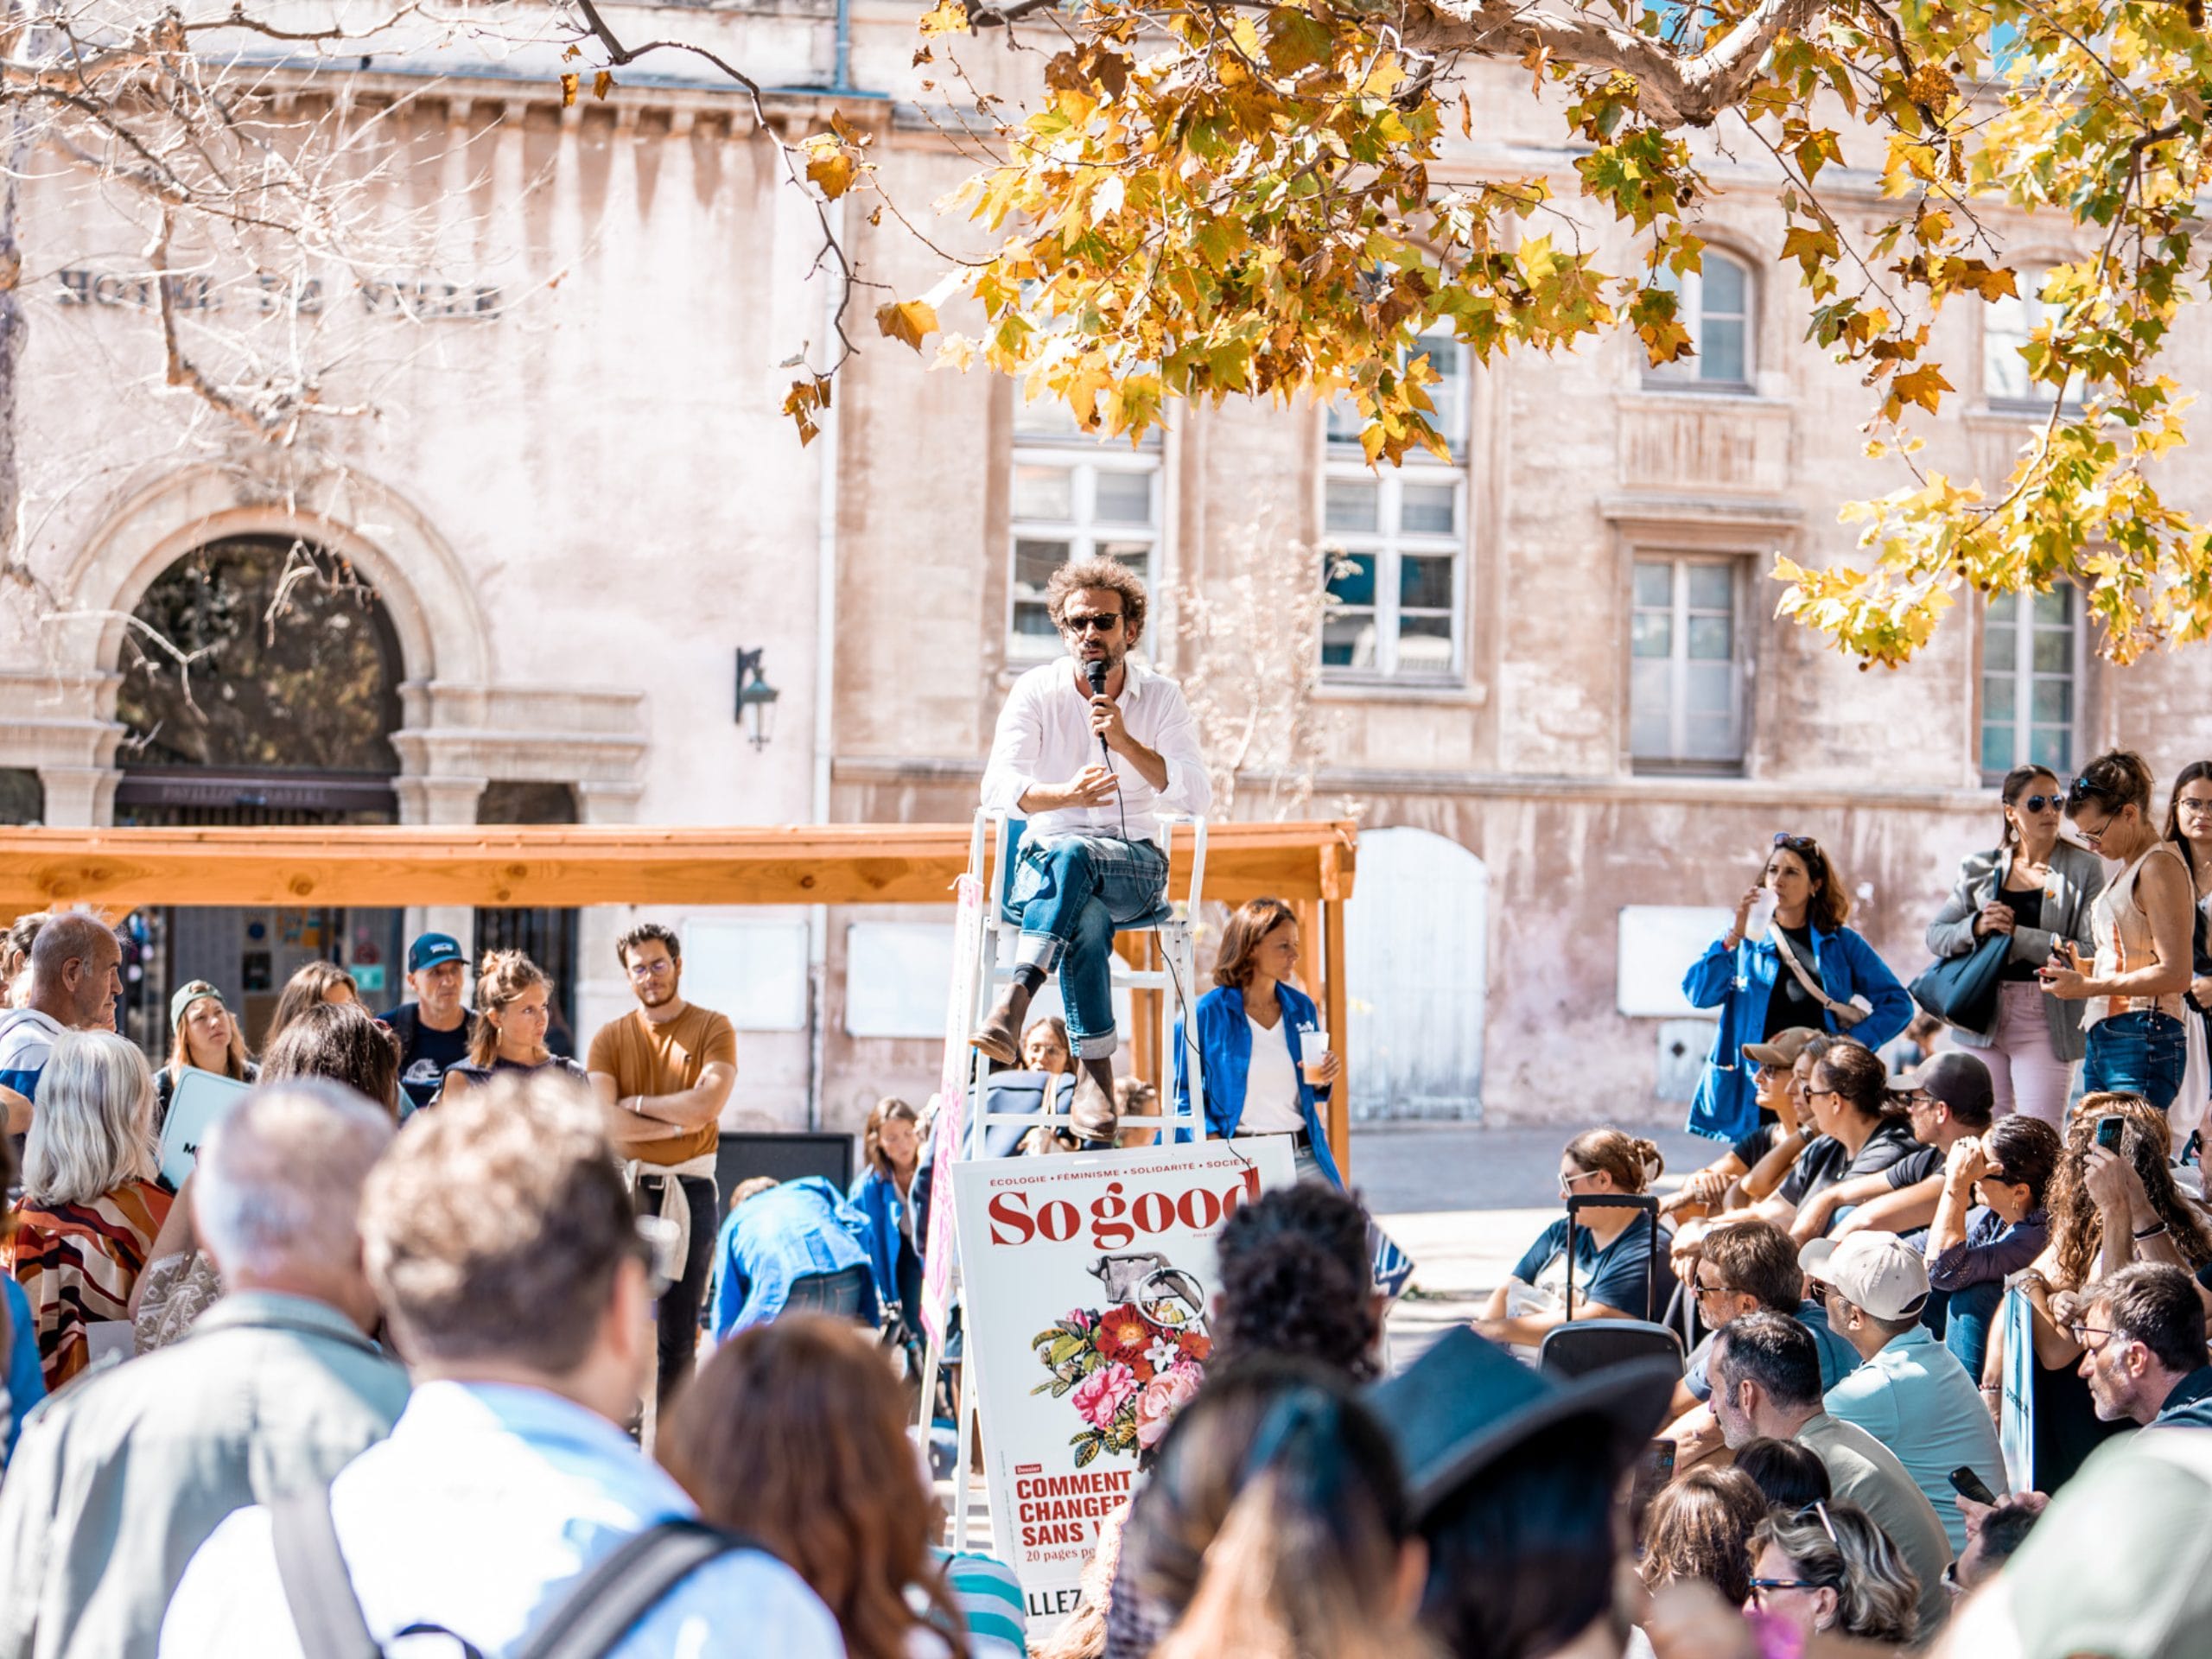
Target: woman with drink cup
x=1787, y=960
x=1267, y=1062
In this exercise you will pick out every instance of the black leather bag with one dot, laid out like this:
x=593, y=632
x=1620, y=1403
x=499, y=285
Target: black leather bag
x=1962, y=991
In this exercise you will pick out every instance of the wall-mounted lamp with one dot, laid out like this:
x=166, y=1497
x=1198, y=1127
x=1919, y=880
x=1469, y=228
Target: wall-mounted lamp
x=756, y=698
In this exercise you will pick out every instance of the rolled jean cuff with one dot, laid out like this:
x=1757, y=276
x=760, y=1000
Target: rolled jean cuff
x=1038, y=950
x=1095, y=1048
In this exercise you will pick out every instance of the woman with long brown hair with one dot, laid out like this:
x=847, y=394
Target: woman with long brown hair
x=514, y=998
x=2132, y=993
x=891, y=1153
x=2035, y=888
x=2189, y=826
x=315, y=983
x=207, y=1039
x=795, y=1434
x=1254, y=1029
x=1788, y=960
x=2047, y=1420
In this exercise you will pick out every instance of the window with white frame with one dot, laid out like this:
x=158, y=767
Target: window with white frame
x=1075, y=495
x=2007, y=327
x=2030, y=677
x=1395, y=541
x=1715, y=307
x=1685, y=667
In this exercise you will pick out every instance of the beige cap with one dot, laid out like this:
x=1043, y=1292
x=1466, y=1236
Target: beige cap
x=1879, y=1272
x=1784, y=1048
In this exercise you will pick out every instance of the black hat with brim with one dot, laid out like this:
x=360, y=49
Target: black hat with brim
x=1466, y=1402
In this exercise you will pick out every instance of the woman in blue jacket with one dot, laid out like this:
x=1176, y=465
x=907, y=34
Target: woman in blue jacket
x=891, y=1150
x=1252, y=1027
x=1758, y=994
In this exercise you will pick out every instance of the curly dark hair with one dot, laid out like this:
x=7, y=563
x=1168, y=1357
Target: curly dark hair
x=2077, y=1226
x=1297, y=1279
x=1097, y=570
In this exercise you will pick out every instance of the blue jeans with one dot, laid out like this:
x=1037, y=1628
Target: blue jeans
x=1972, y=1311
x=1069, y=895
x=2142, y=1053
x=837, y=1294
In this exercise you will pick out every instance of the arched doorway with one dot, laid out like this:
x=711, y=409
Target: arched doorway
x=260, y=685
x=1416, y=946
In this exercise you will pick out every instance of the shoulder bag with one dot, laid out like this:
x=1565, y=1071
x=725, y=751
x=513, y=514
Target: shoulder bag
x=1962, y=991
x=1845, y=1014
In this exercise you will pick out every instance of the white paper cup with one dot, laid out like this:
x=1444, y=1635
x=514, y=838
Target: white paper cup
x=1313, y=1049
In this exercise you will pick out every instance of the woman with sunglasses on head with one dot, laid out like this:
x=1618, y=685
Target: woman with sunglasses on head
x=2035, y=888
x=1829, y=1568
x=2141, y=922
x=1805, y=970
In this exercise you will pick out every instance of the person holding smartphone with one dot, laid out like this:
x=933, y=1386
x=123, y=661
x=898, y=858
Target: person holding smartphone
x=2142, y=924
x=1804, y=967
x=2035, y=888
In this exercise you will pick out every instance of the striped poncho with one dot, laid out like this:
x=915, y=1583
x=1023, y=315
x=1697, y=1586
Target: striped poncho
x=76, y=1263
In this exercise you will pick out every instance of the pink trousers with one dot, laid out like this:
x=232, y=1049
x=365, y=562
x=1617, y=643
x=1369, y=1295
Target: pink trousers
x=2025, y=1076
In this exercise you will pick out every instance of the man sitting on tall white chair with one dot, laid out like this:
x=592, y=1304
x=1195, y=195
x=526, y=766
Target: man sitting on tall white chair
x=1090, y=751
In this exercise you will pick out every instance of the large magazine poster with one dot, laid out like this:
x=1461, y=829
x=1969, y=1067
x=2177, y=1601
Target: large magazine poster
x=1089, y=1278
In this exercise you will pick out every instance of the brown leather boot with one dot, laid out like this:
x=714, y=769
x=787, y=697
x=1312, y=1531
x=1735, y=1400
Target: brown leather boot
x=1091, y=1113
x=1000, y=1035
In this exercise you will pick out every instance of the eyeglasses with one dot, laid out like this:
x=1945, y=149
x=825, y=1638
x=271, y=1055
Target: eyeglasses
x=2195, y=809
x=1998, y=1175
x=1104, y=623
x=1705, y=1290
x=1811, y=1093
x=1760, y=1586
x=2081, y=1333
x=652, y=969
x=1820, y=1509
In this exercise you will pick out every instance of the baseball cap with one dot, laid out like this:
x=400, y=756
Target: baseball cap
x=186, y=997
x=1960, y=1080
x=1879, y=1272
x=431, y=949
x=1783, y=1048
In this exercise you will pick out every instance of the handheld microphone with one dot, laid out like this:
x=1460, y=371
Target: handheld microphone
x=1095, y=671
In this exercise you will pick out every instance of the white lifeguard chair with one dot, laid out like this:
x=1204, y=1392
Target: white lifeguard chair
x=994, y=844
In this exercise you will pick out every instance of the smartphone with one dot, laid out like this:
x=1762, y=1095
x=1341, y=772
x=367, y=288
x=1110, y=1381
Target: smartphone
x=2110, y=1128
x=1971, y=1486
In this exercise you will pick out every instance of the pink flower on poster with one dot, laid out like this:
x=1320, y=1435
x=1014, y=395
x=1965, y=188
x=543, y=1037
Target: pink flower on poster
x=1164, y=1396
x=1101, y=1396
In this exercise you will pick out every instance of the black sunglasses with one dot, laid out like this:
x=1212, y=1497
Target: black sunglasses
x=1796, y=843
x=2037, y=802
x=1103, y=624
x=2080, y=789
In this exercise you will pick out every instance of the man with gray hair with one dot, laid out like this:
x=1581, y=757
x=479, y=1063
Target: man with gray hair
x=75, y=978
x=278, y=1387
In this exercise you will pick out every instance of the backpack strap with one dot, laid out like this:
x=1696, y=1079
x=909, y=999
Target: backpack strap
x=317, y=1587
x=625, y=1584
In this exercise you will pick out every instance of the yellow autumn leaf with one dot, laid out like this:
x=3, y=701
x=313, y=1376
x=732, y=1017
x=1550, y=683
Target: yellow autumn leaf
x=568, y=84
x=946, y=17
x=828, y=165
x=1925, y=386
x=907, y=319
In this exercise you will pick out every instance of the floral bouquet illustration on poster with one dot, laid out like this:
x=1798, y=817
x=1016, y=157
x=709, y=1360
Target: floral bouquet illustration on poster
x=1129, y=1368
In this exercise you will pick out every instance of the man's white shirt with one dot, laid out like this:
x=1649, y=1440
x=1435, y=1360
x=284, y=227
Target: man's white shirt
x=1044, y=737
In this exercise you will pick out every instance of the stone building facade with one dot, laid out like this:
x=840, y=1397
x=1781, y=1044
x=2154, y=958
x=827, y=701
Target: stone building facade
x=1552, y=687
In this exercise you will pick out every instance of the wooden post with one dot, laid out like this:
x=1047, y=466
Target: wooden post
x=1311, y=975
x=1338, y=1005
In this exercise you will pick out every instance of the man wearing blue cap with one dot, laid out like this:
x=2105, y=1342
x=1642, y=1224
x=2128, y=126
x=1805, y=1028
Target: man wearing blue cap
x=433, y=1030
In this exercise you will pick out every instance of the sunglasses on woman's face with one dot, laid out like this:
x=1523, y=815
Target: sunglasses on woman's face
x=2042, y=803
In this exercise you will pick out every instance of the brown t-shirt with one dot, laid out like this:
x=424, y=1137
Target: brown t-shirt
x=643, y=1058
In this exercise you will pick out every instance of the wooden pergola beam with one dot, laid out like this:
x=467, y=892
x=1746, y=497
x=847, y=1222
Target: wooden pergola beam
x=562, y=864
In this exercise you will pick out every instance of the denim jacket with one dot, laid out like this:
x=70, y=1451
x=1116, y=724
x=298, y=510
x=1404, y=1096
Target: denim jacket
x=1740, y=985
x=1225, y=1048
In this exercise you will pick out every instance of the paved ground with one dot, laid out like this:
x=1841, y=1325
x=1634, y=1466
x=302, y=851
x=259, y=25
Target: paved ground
x=1465, y=1202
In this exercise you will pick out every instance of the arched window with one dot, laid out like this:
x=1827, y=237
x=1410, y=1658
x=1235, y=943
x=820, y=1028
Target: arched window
x=2008, y=326
x=1716, y=308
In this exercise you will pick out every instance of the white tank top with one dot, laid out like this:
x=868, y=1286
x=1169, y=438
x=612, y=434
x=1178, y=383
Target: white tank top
x=1271, y=1082
x=2124, y=941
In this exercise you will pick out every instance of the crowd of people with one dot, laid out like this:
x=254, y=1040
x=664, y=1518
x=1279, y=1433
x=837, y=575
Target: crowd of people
x=411, y=1361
